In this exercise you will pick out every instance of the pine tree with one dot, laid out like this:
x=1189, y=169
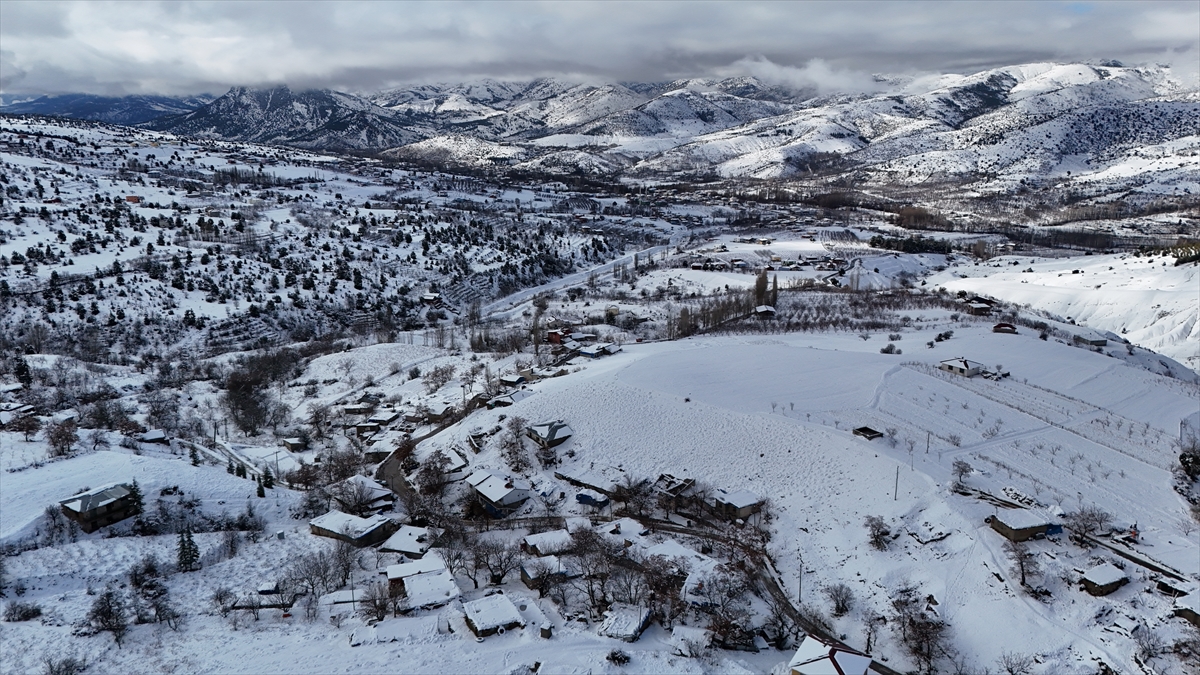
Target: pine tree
x=241, y=471
x=261, y=492
x=229, y=467
x=188, y=554
x=775, y=290
x=135, y=495
x=195, y=457
x=268, y=481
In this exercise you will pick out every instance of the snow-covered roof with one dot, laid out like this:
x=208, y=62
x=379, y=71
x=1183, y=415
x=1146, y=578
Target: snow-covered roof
x=94, y=499
x=499, y=489
x=431, y=588
x=815, y=657
x=624, y=622
x=554, y=541
x=551, y=432
x=492, y=612
x=1104, y=574
x=1020, y=519
x=430, y=563
x=409, y=540
x=154, y=435
x=965, y=364
x=577, y=523
x=375, y=491
x=738, y=499
x=344, y=523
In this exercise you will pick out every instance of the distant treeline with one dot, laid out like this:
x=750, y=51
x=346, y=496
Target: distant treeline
x=916, y=244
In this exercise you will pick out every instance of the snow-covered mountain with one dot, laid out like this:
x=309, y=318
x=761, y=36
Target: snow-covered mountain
x=114, y=110
x=309, y=119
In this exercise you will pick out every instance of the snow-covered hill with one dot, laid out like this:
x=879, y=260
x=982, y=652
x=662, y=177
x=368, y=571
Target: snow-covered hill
x=116, y=110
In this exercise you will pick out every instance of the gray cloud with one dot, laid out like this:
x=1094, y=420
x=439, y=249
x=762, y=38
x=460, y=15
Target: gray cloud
x=190, y=47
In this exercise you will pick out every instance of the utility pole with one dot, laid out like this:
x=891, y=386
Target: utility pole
x=896, y=492
x=928, y=435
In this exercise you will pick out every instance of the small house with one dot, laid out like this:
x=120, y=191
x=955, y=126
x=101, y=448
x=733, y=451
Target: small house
x=98, y=508
x=358, y=531
x=409, y=540
x=425, y=583
x=431, y=298
x=1104, y=579
x=133, y=199
x=155, y=436
x=439, y=412
x=512, y=380
x=500, y=495
x=493, y=615
x=384, y=417
x=1090, y=339
x=1019, y=524
x=764, y=312
x=547, y=543
x=624, y=622
x=961, y=366
x=549, y=434
x=505, y=400
x=358, y=409
x=738, y=504
x=817, y=657
x=979, y=309
x=295, y=444
x=1005, y=328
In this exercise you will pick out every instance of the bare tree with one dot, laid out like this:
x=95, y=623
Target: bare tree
x=961, y=469
x=877, y=532
x=1013, y=663
x=842, y=598
x=62, y=437
x=108, y=614
x=375, y=602
x=353, y=497
x=1025, y=562
x=500, y=559
x=637, y=494
x=1087, y=520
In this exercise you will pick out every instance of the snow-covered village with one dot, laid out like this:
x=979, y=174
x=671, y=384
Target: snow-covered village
x=731, y=372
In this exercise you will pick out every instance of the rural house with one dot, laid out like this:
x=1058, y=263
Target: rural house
x=624, y=622
x=546, y=543
x=500, y=495
x=100, y=507
x=1020, y=524
x=739, y=504
x=492, y=615
x=357, y=531
x=1104, y=579
x=411, y=541
x=549, y=434
x=961, y=366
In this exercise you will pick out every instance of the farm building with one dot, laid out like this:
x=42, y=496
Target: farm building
x=1020, y=524
x=738, y=504
x=1188, y=607
x=1104, y=579
x=1090, y=338
x=549, y=434
x=1004, y=328
x=295, y=444
x=961, y=366
x=868, y=433
x=411, y=541
x=764, y=312
x=98, y=508
x=500, y=495
x=155, y=436
x=816, y=657
x=624, y=622
x=512, y=380
x=491, y=615
x=358, y=531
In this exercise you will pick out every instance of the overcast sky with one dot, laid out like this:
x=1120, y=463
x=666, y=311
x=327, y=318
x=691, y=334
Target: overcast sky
x=194, y=47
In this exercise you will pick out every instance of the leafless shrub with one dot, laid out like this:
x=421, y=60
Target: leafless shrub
x=877, y=532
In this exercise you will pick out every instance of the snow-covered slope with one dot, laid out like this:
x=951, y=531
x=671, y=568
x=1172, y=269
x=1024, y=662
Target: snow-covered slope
x=115, y=110
x=1145, y=299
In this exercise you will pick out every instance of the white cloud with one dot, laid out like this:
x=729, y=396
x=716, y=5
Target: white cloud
x=816, y=74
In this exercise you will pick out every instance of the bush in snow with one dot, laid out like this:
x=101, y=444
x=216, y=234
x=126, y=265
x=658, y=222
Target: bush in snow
x=841, y=597
x=22, y=611
x=108, y=614
x=617, y=657
x=67, y=665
